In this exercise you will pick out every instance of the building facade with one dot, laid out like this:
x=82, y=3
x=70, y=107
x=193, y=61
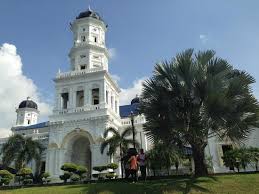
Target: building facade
x=86, y=103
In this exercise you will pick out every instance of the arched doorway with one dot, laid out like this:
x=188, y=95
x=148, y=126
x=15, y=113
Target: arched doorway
x=77, y=149
x=80, y=151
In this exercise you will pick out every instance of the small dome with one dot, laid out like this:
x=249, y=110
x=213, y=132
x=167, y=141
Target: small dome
x=89, y=13
x=28, y=104
x=135, y=100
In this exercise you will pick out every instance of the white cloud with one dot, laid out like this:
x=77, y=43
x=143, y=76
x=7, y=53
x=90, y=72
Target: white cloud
x=112, y=53
x=15, y=87
x=115, y=77
x=128, y=94
x=204, y=38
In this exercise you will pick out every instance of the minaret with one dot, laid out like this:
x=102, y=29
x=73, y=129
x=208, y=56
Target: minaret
x=27, y=113
x=87, y=86
x=89, y=50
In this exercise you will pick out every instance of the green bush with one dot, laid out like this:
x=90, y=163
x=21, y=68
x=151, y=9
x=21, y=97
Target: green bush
x=112, y=166
x=100, y=168
x=65, y=176
x=75, y=177
x=5, y=177
x=111, y=176
x=26, y=175
x=45, y=177
x=70, y=167
x=24, y=172
x=81, y=170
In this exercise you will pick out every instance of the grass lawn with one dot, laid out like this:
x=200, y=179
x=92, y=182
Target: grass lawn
x=227, y=184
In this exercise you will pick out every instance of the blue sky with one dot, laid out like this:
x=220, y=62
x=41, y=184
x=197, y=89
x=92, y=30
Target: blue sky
x=141, y=33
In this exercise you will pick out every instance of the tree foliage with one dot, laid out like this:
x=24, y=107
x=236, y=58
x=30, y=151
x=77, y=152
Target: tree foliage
x=45, y=177
x=73, y=172
x=241, y=158
x=25, y=176
x=164, y=156
x=66, y=176
x=80, y=171
x=196, y=96
x=21, y=151
x=69, y=167
x=5, y=177
x=114, y=140
x=112, y=166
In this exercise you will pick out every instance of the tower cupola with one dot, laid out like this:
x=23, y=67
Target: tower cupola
x=27, y=113
x=89, y=51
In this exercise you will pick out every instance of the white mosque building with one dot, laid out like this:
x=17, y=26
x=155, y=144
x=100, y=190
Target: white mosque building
x=86, y=103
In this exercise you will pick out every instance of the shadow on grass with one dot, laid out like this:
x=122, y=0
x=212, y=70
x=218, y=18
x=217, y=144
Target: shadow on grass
x=183, y=186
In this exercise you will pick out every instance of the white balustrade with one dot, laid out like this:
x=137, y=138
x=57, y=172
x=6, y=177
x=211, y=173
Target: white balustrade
x=77, y=73
x=81, y=109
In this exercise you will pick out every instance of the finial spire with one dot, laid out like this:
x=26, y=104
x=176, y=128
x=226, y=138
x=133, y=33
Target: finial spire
x=89, y=8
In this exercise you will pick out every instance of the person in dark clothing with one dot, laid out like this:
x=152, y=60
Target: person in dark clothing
x=142, y=164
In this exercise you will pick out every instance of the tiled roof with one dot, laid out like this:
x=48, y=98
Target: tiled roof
x=126, y=110
x=36, y=126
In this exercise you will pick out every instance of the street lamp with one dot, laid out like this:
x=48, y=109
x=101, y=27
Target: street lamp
x=133, y=128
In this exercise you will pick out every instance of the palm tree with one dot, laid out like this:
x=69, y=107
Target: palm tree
x=198, y=96
x=21, y=150
x=164, y=156
x=117, y=140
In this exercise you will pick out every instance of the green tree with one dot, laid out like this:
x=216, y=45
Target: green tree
x=153, y=162
x=244, y=156
x=230, y=159
x=80, y=171
x=164, y=156
x=117, y=140
x=25, y=175
x=99, y=169
x=45, y=177
x=5, y=177
x=21, y=150
x=195, y=97
x=112, y=166
x=65, y=176
x=69, y=167
x=254, y=156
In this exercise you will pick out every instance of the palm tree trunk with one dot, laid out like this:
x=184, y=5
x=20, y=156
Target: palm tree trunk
x=121, y=162
x=199, y=160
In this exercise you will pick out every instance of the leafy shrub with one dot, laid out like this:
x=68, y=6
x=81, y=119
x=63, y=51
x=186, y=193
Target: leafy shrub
x=26, y=175
x=112, y=166
x=70, y=167
x=111, y=176
x=75, y=177
x=81, y=170
x=45, y=177
x=65, y=176
x=24, y=172
x=100, y=168
x=5, y=177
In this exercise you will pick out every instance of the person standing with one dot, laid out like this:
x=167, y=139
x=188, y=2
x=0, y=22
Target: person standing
x=142, y=164
x=133, y=168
